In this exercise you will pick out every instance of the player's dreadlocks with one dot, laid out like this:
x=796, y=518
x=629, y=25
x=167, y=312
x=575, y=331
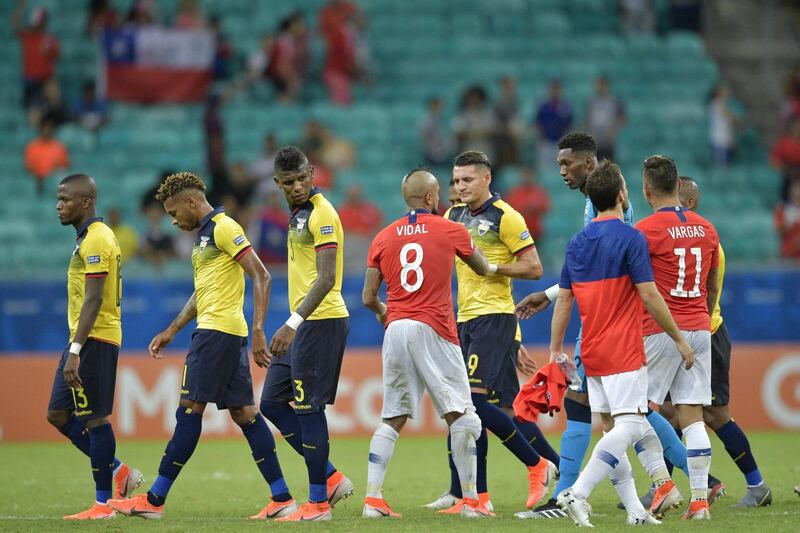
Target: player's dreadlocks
x=178, y=182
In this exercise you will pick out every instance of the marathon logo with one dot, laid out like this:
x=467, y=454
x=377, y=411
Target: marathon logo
x=525, y=235
x=326, y=230
x=93, y=259
x=238, y=241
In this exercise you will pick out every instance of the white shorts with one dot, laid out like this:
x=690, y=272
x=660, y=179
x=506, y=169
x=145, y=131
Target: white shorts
x=667, y=371
x=415, y=359
x=619, y=394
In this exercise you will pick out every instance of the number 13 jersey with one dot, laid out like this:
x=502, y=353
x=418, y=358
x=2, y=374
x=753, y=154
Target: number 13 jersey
x=415, y=256
x=683, y=248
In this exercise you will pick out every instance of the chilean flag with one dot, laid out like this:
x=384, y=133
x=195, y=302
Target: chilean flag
x=153, y=64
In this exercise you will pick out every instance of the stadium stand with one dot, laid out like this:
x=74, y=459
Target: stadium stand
x=420, y=48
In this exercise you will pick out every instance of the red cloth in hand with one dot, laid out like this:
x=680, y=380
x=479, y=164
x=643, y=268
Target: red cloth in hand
x=543, y=393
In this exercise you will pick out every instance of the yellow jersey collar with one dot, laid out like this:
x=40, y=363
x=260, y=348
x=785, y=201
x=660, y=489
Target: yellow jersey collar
x=85, y=225
x=485, y=205
x=206, y=219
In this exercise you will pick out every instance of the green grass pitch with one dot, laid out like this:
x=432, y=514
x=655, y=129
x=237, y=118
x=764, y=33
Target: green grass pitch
x=221, y=486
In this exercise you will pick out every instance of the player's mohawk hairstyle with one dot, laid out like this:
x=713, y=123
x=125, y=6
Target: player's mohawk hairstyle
x=178, y=182
x=578, y=141
x=289, y=159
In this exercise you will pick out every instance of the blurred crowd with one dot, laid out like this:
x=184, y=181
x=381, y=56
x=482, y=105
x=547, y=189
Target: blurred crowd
x=282, y=61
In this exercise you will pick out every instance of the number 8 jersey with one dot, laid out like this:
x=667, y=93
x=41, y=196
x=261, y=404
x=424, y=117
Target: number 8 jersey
x=415, y=256
x=684, y=248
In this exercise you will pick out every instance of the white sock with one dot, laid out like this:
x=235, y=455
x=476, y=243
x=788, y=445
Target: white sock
x=622, y=479
x=651, y=454
x=465, y=456
x=698, y=458
x=381, y=449
x=607, y=454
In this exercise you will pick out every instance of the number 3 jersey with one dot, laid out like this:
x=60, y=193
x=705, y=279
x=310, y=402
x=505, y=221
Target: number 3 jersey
x=683, y=248
x=415, y=256
x=96, y=255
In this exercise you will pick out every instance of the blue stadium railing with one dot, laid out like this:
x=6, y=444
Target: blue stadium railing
x=763, y=306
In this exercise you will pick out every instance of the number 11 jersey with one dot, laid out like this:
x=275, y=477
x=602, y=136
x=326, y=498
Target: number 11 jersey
x=415, y=256
x=683, y=248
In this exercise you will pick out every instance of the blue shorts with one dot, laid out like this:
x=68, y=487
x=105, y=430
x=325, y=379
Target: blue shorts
x=308, y=374
x=98, y=372
x=490, y=352
x=217, y=370
x=508, y=391
x=579, y=364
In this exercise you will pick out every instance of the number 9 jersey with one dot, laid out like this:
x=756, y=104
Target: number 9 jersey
x=684, y=248
x=415, y=256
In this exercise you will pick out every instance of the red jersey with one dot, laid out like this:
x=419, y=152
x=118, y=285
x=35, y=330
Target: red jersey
x=683, y=247
x=415, y=256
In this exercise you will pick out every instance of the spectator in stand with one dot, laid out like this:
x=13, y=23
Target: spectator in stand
x=241, y=186
x=126, y=235
x=45, y=154
x=40, y=52
x=722, y=126
x=287, y=58
x=49, y=105
x=638, y=16
x=263, y=167
x=158, y=245
x=89, y=111
x=790, y=110
x=269, y=235
x=787, y=222
x=361, y=220
x=324, y=147
x=474, y=125
x=142, y=13
x=553, y=120
x=605, y=117
x=214, y=128
x=190, y=16
x=359, y=216
x=509, y=128
x=437, y=143
x=223, y=51
x=101, y=16
x=785, y=156
x=341, y=64
x=531, y=200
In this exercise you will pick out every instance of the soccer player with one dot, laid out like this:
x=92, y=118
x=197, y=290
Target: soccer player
x=684, y=250
x=83, y=388
x=414, y=256
x=718, y=415
x=309, y=347
x=486, y=322
x=577, y=158
x=217, y=369
x=607, y=271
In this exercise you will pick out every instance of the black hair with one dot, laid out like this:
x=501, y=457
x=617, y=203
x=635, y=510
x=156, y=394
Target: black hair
x=290, y=159
x=418, y=168
x=578, y=141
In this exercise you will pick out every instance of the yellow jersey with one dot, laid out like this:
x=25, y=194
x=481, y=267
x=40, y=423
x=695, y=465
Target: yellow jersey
x=315, y=226
x=716, y=314
x=96, y=255
x=218, y=276
x=500, y=232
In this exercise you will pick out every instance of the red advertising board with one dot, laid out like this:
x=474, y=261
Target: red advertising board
x=765, y=394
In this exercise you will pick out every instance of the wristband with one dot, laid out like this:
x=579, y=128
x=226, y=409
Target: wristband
x=492, y=268
x=294, y=321
x=75, y=348
x=552, y=293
